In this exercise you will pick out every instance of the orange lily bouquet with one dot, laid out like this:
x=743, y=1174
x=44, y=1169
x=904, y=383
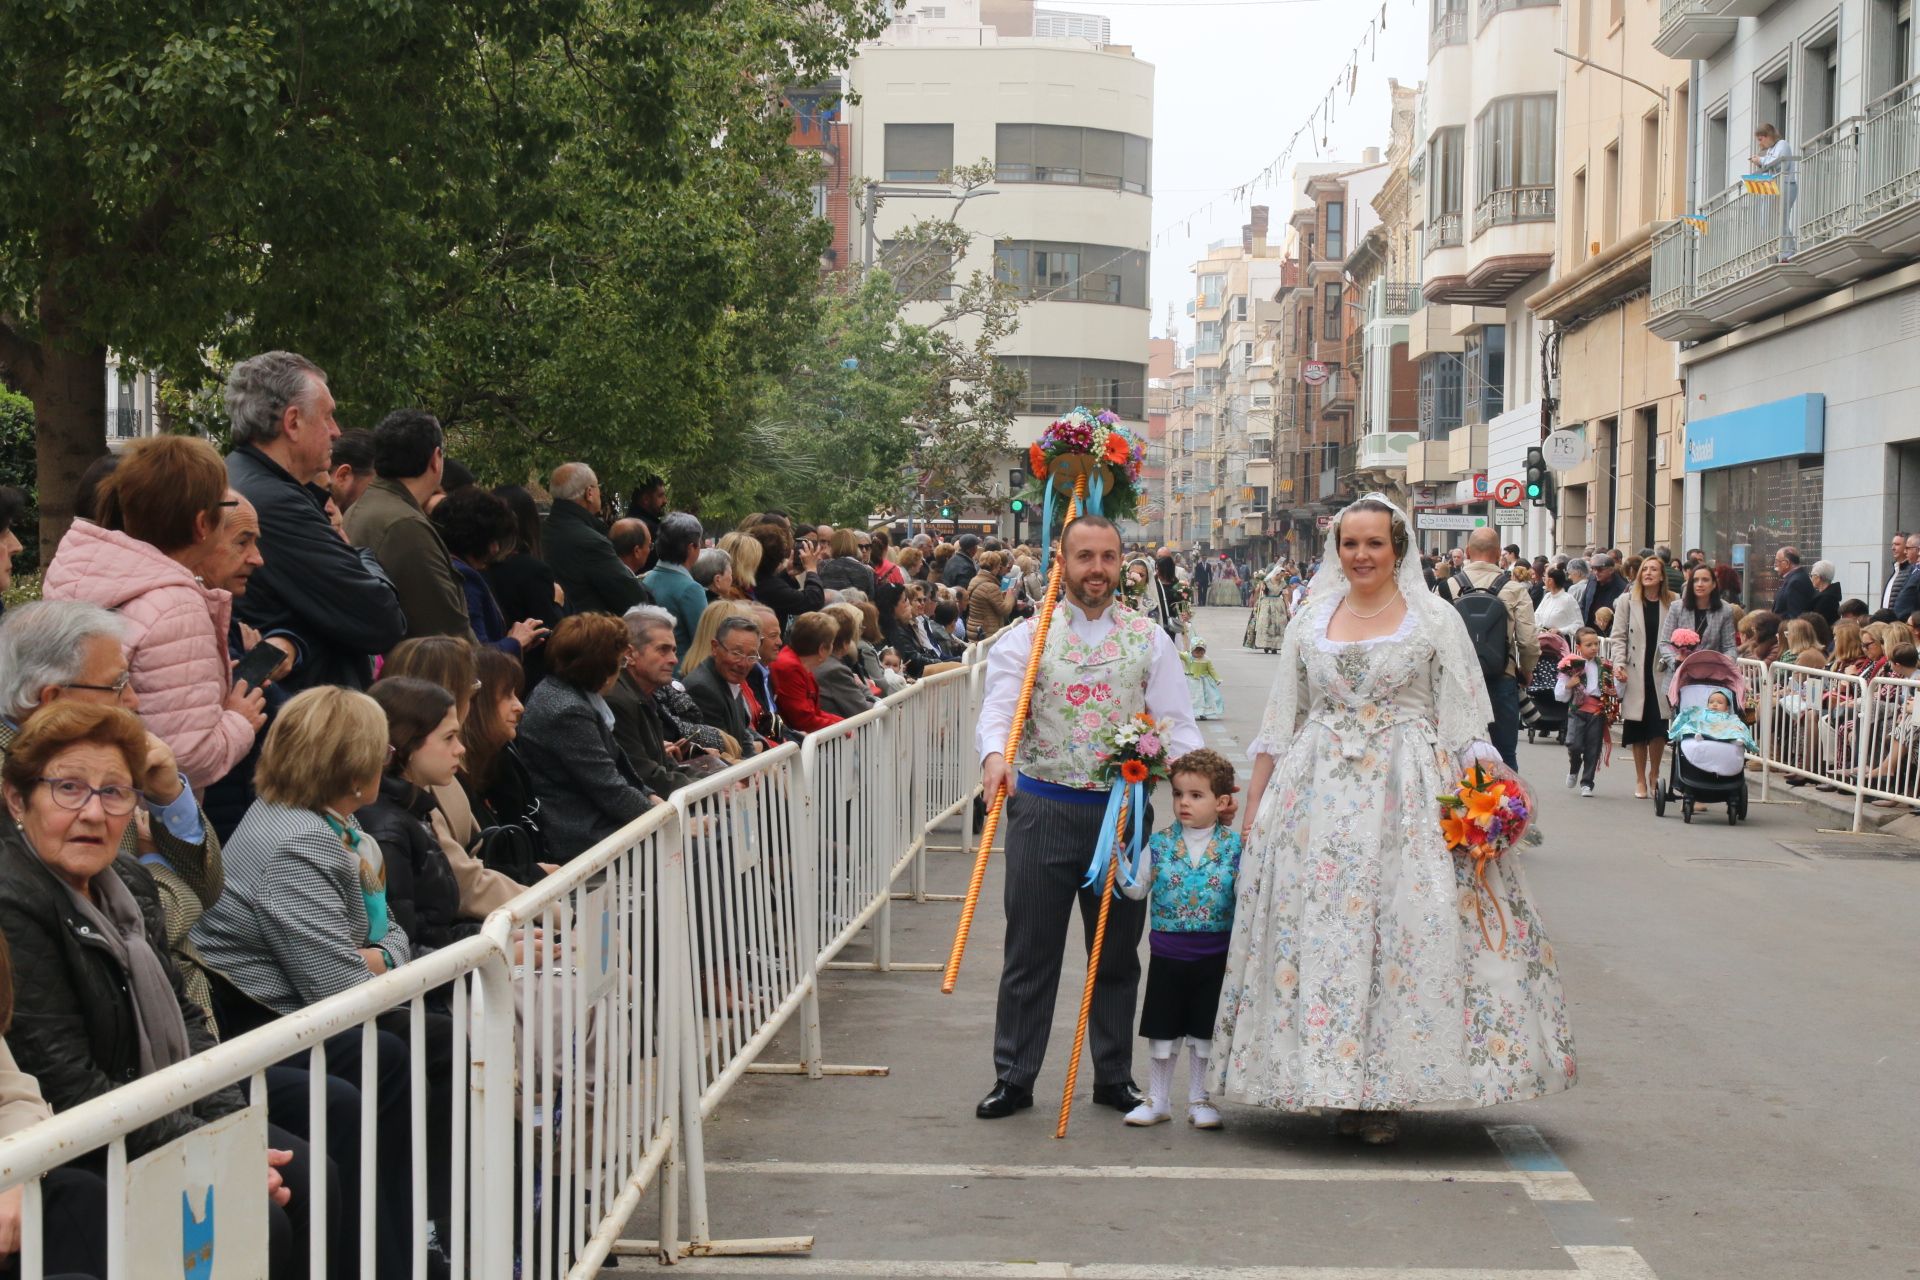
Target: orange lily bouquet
x=1485, y=815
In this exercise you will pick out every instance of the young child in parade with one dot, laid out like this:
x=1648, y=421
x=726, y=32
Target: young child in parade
x=1581, y=684
x=1187, y=871
x=1203, y=684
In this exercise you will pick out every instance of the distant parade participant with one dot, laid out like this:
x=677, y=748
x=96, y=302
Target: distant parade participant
x=1103, y=664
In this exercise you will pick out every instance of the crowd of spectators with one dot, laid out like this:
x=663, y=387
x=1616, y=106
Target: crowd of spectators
x=291, y=718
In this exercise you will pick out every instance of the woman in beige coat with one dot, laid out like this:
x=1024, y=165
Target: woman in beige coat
x=1634, y=649
x=988, y=604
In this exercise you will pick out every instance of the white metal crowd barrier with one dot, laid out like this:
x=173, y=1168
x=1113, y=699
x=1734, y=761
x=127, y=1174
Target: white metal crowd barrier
x=596, y=1021
x=1850, y=735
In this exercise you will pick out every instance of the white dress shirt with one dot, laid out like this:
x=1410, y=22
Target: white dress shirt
x=1167, y=696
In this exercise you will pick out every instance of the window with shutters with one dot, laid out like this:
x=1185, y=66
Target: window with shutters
x=918, y=152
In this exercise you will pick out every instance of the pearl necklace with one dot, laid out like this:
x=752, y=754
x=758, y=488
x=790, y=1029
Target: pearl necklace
x=1348, y=604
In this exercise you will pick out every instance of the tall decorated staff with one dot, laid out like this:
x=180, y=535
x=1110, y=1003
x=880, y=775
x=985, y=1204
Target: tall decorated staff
x=1087, y=464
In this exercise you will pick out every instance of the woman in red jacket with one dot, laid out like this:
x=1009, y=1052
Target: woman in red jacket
x=795, y=691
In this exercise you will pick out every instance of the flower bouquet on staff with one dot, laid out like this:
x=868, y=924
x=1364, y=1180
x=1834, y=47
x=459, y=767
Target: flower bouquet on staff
x=1091, y=442
x=1488, y=813
x=1133, y=755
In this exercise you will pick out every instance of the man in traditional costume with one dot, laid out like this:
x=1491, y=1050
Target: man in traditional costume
x=1103, y=664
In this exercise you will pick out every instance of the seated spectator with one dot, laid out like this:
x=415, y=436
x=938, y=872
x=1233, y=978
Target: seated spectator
x=96, y=1004
x=796, y=689
x=312, y=584
x=496, y=787
x=717, y=684
x=945, y=629
x=73, y=1200
x=305, y=916
x=639, y=726
x=424, y=750
x=988, y=603
x=456, y=667
x=161, y=513
x=53, y=651
x=671, y=581
x=1855, y=610
x=787, y=582
x=390, y=520
x=745, y=553
x=350, y=469
x=86, y=494
x=897, y=628
x=1759, y=634
x=587, y=788
x=582, y=556
x=847, y=567
x=759, y=682
x=912, y=563
x=713, y=570
x=477, y=528
x=844, y=690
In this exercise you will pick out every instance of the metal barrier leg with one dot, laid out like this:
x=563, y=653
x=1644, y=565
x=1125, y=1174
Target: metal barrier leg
x=492, y=1044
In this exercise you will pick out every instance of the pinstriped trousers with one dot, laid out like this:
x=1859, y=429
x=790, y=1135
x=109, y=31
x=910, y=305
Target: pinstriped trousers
x=1049, y=844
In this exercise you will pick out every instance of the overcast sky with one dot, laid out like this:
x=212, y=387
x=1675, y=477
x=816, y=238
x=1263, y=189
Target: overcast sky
x=1232, y=82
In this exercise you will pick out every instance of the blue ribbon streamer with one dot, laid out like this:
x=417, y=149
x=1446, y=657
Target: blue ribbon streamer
x=1135, y=796
x=1046, y=524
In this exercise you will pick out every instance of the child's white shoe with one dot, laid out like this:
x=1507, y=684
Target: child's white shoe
x=1149, y=1113
x=1201, y=1115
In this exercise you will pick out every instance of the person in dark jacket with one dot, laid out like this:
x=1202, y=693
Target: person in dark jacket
x=649, y=506
x=588, y=790
x=1603, y=589
x=390, y=519
x=423, y=732
x=639, y=726
x=716, y=684
x=312, y=585
x=960, y=568
x=582, y=556
x=1826, y=592
x=788, y=582
x=97, y=1004
x=847, y=568
x=477, y=528
x=498, y=788
x=522, y=580
x=1797, y=592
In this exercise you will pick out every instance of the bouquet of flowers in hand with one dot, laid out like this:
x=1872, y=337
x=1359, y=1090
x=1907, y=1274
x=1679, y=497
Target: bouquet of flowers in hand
x=1484, y=816
x=1087, y=434
x=1134, y=751
x=1684, y=640
x=1132, y=754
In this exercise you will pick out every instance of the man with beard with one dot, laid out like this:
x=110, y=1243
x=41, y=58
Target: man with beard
x=1103, y=664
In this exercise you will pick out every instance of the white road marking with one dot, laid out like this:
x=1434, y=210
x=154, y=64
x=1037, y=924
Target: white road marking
x=1542, y=1185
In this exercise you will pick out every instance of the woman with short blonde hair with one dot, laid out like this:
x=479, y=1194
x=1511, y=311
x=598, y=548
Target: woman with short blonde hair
x=746, y=553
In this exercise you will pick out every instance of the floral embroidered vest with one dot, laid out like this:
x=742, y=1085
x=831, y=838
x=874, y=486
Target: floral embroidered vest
x=1190, y=898
x=1082, y=690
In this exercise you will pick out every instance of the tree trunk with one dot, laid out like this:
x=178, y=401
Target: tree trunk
x=68, y=388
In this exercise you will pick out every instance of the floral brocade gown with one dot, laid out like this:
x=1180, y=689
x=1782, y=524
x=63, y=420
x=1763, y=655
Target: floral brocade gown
x=1357, y=976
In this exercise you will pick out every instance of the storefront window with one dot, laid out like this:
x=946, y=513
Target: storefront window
x=1749, y=512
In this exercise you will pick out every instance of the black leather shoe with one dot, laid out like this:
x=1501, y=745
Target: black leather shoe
x=1124, y=1096
x=1003, y=1101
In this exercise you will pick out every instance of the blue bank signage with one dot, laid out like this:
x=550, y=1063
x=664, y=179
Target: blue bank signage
x=1787, y=428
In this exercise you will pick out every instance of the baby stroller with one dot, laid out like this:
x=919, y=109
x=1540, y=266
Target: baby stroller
x=1540, y=711
x=1704, y=770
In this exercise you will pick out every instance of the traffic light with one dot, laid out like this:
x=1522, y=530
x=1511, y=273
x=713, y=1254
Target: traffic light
x=1017, y=506
x=946, y=511
x=1540, y=481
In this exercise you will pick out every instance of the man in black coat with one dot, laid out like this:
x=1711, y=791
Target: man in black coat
x=584, y=562
x=649, y=506
x=960, y=568
x=334, y=602
x=1603, y=588
x=1202, y=579
x=1797, y=592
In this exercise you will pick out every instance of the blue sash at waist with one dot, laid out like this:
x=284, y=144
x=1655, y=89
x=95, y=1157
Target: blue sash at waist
x=1032, y=786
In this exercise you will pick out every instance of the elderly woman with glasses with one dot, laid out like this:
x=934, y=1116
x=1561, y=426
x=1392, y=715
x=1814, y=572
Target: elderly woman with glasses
x=588, y=790
x=97, y=1004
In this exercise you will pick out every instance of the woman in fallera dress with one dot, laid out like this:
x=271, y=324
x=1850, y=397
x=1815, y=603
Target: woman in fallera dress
x=1357, y=977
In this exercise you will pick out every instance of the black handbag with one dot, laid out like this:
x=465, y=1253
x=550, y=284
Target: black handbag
x=511, y=850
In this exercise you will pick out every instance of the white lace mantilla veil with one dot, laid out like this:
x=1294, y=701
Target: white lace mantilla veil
x=1286, y=706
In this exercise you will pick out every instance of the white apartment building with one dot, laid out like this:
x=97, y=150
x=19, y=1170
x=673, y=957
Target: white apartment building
x=1486, y=199
x=1068, y=124
x=1798, y=311
x=132, y=403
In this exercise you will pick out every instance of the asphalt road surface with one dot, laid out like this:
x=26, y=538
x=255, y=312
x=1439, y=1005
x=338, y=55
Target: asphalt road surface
x=1748, y=1028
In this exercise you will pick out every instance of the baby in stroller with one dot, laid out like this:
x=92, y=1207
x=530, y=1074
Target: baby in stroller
x=1710, y=739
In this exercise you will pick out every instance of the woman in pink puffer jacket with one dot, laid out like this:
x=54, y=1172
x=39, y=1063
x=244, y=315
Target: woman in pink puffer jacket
x=158, y=534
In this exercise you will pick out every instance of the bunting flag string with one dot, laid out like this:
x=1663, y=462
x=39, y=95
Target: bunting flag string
x=1316, y=128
